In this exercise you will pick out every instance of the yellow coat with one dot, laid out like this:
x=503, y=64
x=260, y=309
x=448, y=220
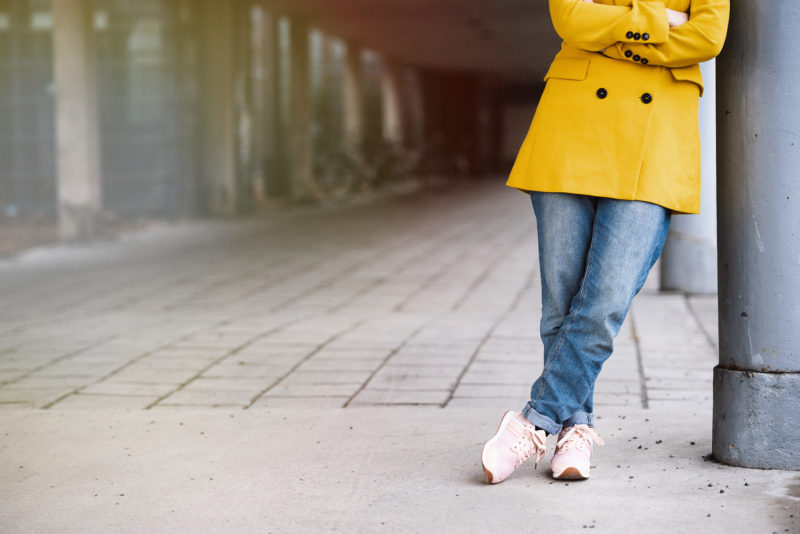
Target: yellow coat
x=618, y=116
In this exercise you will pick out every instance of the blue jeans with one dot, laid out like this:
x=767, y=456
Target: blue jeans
x=594, y=255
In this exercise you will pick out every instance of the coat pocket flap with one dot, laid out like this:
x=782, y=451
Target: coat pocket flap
x=568, y=68
x=689, y=74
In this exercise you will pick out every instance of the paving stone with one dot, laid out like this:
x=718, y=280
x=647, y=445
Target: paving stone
x=499, y=404
x=353, y=354
x=411, y=381
x=312, y=390
x=327, y=377
x=604, y=401
x=82, y=401
x=531, y=369
x=686, y=382
x=677, y=394
x=500, y=377
x=617, y=386
x=32, y=397
x=253, y=384
x=37, y=382
x=401, y=369
x=410, y=359
x=9, y=375
x=328, y=364
x=514, y=391
x=233, y=369
x=180, y=353
x=266, y=354
x=136, y=373
x=206, y=397
x=315, y=403
x=67, y=368
x=398, y=396
x=110, y=387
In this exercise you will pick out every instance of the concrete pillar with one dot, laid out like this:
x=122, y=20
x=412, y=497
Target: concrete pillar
x=757, y=381
x=218, y=136
x=353, y=95
x=262, y=98
x=416, y=127
x=76, y=116
x=278, y=176
x=300, y=141
x=689, y=259
x=392, y=110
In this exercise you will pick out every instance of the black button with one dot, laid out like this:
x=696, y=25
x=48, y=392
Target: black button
x=637, y=36
x=645, y=37
x=602, y=93
x=628, y=53
x=636, y=57
x=647, y=98
x=629, y=35
x=644, y=61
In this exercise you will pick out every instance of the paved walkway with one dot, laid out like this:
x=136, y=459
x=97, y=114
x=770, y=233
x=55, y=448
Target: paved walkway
x=297, y=362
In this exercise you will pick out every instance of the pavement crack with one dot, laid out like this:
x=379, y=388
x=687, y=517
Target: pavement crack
x=307, y=357
x=643, y=395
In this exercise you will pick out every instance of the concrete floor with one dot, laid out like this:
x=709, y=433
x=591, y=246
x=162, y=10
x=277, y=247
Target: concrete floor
x=339, y=369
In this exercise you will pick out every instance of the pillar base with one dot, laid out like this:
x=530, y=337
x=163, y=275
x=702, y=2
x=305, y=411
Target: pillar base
x=689, y=264
x=756, y=419
x=77, y=223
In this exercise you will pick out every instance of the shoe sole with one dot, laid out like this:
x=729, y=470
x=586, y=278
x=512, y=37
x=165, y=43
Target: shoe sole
x=489, y=475
x=570, y=473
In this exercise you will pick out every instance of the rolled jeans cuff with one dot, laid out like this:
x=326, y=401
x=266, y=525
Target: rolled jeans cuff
x=580, y=418
x=541, y=421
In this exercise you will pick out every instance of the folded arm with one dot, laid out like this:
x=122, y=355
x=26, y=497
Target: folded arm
x=699, y=39
x=594, y=27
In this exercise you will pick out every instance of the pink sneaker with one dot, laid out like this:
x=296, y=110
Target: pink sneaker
x=574, y=452
x=515, y=441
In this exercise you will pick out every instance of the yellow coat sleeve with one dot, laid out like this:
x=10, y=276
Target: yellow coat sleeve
x=699, y=39
x=594, y=27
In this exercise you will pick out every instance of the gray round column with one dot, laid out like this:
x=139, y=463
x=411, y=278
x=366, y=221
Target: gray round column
x=757, y=381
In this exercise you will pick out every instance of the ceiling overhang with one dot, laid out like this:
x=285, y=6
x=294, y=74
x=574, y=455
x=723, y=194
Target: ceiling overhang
x=510, y=39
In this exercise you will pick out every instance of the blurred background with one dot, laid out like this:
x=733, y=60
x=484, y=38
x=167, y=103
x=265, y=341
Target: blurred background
x=115, y=112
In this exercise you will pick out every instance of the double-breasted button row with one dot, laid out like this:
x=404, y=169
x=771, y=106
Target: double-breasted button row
x=636, y=36
x=602, y=93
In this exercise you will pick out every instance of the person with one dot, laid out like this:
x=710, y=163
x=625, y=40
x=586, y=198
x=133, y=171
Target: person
x=612, y=152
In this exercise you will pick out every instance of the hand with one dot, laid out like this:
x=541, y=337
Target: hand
x=676, y=18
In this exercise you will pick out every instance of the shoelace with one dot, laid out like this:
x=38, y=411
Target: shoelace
x=529, y=443
x=578, y=436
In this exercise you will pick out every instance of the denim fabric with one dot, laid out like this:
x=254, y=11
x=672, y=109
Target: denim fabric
x=594, y=256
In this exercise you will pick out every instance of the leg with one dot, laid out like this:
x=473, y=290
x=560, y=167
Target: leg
x=564, y=228
x=627, y=237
